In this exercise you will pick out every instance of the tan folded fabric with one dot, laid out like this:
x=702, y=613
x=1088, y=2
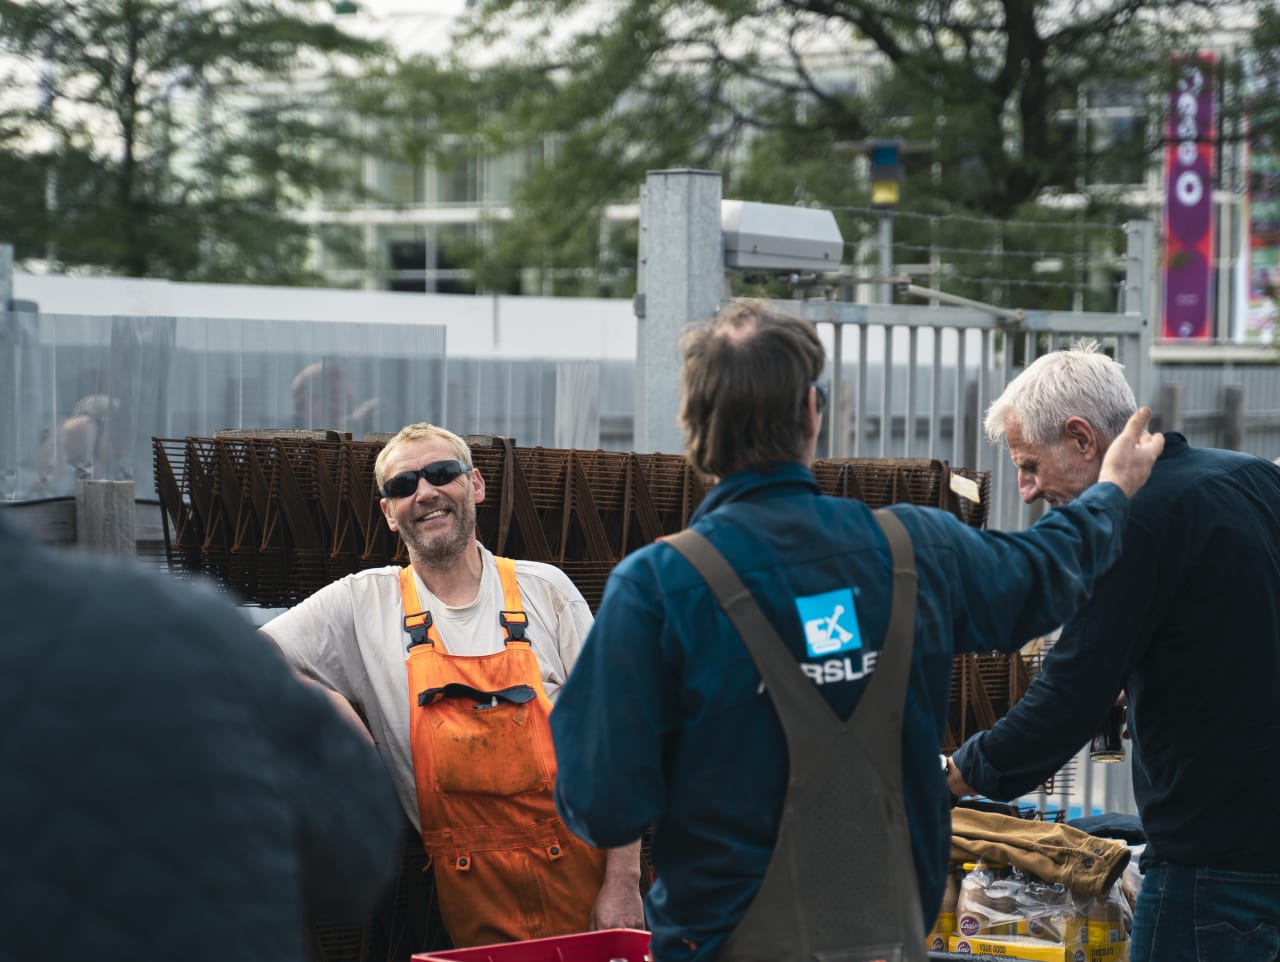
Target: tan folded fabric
x=1085, y=864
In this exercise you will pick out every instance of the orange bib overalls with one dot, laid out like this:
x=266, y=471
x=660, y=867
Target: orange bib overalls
x=506, y=868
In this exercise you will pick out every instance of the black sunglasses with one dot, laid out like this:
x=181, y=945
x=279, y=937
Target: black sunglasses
x=820, y=390
x=437, y=473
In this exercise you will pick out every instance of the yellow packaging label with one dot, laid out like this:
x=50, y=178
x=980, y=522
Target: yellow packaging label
x=1034, y=950
x=1104, y=933
x=1009, y=948
x=1115, y=952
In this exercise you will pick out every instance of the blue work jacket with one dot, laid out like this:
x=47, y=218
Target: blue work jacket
x=664, y=721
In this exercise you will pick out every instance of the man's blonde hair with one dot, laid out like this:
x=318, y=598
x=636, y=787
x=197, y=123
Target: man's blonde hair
x=422, y=431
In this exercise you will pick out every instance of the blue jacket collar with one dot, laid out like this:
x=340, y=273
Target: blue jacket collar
x=743, y=484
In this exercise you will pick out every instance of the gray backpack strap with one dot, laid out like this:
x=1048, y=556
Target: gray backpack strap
x=885, y=698
x=794, y=696
x=817, y=900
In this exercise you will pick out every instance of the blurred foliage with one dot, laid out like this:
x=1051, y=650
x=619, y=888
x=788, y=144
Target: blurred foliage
x=148, y=139
x=772, y=92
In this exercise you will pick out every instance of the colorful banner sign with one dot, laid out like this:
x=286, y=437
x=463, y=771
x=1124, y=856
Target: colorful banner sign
x=1188, y=221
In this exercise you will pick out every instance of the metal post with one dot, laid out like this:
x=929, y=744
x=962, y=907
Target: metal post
x=1171, y=407
x=679, y=280
x=886, y=256
x=1223, y=272
x=1233, y=417
x=969, y=450
x=1140, y=297
x=838, y=443
x=9, y=406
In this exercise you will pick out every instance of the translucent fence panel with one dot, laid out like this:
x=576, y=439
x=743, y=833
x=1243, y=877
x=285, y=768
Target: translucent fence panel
x=90, y=392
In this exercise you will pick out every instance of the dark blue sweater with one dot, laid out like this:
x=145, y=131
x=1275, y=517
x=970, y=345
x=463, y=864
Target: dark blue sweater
x=663, y=723
x=1188, y=623
x=168, y=790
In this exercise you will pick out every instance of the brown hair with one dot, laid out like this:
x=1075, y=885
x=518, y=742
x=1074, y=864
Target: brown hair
x=746, y=376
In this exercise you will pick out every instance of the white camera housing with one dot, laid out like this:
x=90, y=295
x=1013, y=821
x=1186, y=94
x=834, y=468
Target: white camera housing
x=776, y=237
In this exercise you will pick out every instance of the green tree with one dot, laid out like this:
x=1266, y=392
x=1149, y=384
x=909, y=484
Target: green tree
x=766, y=90
x=161, y=138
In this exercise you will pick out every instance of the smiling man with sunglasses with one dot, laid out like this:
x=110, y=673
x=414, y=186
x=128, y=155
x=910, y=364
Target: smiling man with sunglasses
x=485, y=644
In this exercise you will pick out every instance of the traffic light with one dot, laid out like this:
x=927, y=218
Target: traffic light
x=886, y=174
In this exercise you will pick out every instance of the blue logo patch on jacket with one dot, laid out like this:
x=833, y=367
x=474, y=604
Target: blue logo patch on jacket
x=830, y=622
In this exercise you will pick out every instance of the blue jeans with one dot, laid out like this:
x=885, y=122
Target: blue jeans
x=1206, y=915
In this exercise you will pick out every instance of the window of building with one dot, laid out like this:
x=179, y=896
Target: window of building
x=455, y=178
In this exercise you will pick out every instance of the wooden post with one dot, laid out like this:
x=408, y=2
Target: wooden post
x=105, y=517
x=1233, y=417
x=1170, y=407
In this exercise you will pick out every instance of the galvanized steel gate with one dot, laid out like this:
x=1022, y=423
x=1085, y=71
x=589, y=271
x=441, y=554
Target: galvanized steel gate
x=910, y=381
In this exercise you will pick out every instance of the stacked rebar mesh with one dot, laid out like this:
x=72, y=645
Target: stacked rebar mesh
x=275, y=515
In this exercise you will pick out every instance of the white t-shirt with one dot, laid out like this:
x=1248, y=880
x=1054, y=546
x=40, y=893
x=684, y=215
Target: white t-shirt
x=350, y=636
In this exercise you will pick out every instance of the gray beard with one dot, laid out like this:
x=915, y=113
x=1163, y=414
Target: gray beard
x=443, y=551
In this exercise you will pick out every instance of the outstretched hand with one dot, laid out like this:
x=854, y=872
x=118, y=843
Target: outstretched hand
x=1130, y=457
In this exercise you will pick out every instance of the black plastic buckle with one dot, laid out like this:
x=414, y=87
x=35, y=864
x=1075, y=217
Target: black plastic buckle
x=418, y=632
x=515, y=624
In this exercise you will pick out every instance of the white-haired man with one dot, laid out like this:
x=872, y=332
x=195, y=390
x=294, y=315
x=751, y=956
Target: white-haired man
x=1187, y=623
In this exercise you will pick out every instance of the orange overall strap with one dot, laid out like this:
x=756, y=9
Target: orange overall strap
x=421, y=626
x=417, y=622
x=513, y=617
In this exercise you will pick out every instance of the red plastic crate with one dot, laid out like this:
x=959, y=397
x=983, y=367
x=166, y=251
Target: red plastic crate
x=602, y=946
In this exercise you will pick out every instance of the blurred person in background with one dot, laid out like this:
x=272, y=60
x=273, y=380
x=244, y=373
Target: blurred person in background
x=169, y=789
x=78, y=448
x=1187, y=623
x=768, y=690
x=321, y=396
x=323, y=399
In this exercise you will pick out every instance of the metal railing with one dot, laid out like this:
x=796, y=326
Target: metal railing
x=915, y=381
